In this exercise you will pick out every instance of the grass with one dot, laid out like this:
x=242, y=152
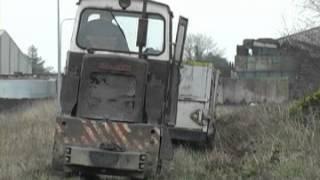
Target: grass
x=262, y=142
x=26, y=138
x=255, y=143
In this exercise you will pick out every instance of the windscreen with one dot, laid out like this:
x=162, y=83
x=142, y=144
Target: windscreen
x=117, y=31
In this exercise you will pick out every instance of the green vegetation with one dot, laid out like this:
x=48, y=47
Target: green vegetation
x=197, y=63
x=309, y=105
x=262, y=142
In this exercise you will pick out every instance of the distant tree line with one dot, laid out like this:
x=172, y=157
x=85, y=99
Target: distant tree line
x=37, y=62
x=200, y=47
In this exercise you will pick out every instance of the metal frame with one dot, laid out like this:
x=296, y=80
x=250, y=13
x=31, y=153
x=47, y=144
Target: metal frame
x=124, y=52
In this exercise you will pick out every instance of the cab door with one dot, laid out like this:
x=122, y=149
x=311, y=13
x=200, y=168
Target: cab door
x=175, y=71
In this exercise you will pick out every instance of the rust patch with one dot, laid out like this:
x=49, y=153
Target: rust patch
x=116, y=67
x=132, y=137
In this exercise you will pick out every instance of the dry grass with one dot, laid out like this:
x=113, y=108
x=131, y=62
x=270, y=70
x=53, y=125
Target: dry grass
x=26, y=138
x=254, y=143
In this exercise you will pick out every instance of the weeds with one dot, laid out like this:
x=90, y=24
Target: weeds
x=256, y=143
x=26, y=138
x=262, y=142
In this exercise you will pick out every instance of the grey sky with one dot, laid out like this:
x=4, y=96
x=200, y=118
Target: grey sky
x=228, y=22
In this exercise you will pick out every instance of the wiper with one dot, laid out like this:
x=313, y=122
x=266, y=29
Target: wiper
x=121, y=30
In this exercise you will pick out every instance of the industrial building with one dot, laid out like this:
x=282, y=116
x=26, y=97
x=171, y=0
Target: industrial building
x=16, y=79
x=275, y=70
x=12, y=59
x=285, y=57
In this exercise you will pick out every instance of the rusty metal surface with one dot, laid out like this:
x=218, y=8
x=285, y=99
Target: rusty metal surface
x=109, y=137
x=108, y=127
x=112, y=87
x=89, y=157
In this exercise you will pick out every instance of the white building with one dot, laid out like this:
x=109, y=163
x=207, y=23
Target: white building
x=12, y=59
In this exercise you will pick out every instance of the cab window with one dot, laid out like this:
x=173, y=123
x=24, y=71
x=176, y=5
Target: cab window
x=117, y=31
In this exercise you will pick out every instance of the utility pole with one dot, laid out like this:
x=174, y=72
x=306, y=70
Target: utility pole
x=59, y=79
x=1, y=14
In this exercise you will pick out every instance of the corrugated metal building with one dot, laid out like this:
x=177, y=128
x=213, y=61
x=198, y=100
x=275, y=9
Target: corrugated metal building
x=12, y=59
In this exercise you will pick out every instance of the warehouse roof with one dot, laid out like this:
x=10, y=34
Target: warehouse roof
x=310, y=36
x=4, y=32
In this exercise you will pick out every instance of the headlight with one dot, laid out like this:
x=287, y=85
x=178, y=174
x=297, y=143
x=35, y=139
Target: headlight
x=124, y=4
x=199, y=117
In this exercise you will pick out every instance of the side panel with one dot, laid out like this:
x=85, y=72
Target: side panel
x=13, y=58
x=155, y=92
x=5, y=56
x=69, y=93
x=195, y=97
x=195, y=83
x=70, y=83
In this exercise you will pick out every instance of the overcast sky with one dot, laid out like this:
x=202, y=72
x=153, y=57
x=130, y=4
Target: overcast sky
x=228, y=22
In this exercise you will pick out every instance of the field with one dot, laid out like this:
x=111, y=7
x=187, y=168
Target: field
x=262, y=142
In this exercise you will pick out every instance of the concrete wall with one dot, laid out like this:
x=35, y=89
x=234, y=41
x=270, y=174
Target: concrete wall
x=27, y=89
x=265, y=66
x=265, y=63
x=12, y=60
x=238, y=91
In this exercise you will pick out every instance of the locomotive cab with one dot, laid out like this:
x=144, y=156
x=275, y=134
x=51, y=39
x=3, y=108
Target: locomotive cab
x=120, y=90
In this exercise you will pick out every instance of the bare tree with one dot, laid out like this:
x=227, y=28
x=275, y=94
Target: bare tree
x=311, y=12
x=199, y=46
x=312, y=5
